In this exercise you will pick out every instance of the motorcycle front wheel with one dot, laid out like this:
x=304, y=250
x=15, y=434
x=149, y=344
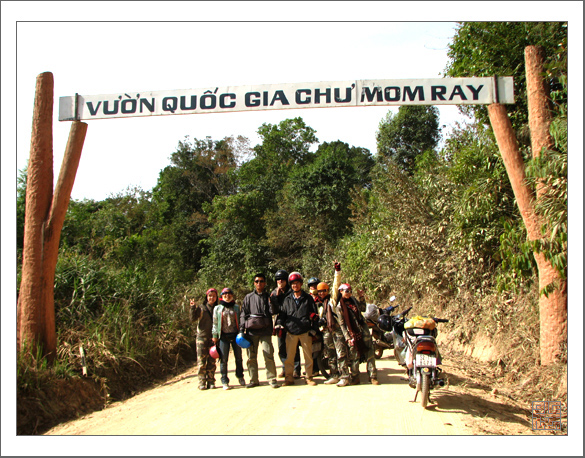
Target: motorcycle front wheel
x=425, y=389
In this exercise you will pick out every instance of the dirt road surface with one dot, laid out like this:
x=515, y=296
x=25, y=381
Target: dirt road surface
x=177, y=407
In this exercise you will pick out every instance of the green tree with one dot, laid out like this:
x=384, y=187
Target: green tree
x=403, y=136
x=497, y=49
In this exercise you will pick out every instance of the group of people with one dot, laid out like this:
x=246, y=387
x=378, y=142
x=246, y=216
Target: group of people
x=294, y=316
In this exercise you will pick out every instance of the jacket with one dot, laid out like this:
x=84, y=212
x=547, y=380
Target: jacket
x=277, y=300
x=203, y=316
x=331, y=301
x=297, y=319
x=359, y=318
x=218, y=316
x=258, y=305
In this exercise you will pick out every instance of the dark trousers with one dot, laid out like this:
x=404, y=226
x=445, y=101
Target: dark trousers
x=282, y=352
x=225, y=341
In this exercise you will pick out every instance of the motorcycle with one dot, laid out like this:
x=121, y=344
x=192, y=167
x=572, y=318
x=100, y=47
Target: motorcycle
x=423, y=357
x=396, y=325
x=380, y=323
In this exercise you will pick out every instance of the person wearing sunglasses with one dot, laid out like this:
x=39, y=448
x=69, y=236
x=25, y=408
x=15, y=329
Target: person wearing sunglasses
x=256, y=323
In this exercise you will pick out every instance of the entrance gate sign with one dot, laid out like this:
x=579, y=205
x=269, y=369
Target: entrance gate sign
x=439, y=91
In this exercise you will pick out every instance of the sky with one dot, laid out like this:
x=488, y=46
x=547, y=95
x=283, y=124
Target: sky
x=124, y=57
x=89, y=51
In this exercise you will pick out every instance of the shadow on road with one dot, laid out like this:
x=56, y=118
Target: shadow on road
x=445, y=400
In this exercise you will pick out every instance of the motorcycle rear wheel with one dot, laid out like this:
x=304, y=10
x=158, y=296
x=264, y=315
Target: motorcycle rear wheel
x=425, y=389
x=321, y=364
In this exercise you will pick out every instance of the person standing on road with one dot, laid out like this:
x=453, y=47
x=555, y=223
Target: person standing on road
x=298, y=316
x=203, y=316
x=333, y=340
x=357, y=335
x=276, y=299
x=225, y=329
x=256, y=322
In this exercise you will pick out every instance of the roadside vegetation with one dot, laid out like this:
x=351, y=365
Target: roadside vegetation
x=436, y=226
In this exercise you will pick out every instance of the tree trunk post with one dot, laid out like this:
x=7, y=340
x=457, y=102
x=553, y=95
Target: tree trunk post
x=44, y=216
x=53, y=228
x=30, y=313
x=552, y=307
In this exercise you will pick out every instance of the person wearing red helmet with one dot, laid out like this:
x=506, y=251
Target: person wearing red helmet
x=225, y=330
x=203, y=316
x=298, y=316
x=356, y=335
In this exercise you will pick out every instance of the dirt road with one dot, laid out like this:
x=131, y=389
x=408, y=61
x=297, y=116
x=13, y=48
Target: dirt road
x=179, y=408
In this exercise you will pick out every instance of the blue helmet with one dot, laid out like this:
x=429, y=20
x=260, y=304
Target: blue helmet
x=242, y=341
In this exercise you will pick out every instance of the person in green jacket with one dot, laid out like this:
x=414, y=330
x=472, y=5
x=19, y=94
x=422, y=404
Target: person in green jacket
x=203, y=316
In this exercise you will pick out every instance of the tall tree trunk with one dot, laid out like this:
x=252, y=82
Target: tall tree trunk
x=53, y=228
x=552, y=307
x=39, y=189
x=44, y=217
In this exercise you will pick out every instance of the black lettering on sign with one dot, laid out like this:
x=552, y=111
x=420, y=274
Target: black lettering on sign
x=347, y=95
x=299, y=99
x=149, y=106
x=222, y=103
x=113, y=110
x=252, y=102
x=124, y=106
x=438, y=92
x=265, y=98
x=458, y=90
x=475, y=91
x=208, y=101
x=369, y=94
x=279, y=95
x=93, y=111
x=193, y=104
x=170, y=104
x=327, y=95
x=388, y=94
x=411, y=95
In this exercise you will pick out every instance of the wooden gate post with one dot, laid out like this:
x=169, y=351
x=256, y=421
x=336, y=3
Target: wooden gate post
x=44, y=216
x=552, y=307
x=39, y=188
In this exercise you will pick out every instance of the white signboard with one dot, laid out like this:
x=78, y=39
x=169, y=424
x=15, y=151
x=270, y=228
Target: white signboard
x=440, y=91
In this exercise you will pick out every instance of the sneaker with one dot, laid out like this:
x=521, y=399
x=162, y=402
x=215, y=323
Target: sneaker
x=355, y=380
x=332, y=381
x=211, y=385
x=252, y=385
x=343, y=382
x=242, y=381
x=274, y=384
x=297, y=374
x=374, y=381
x=202, y=387
x=226, y=386
x=310, y=382
x=288, y=383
